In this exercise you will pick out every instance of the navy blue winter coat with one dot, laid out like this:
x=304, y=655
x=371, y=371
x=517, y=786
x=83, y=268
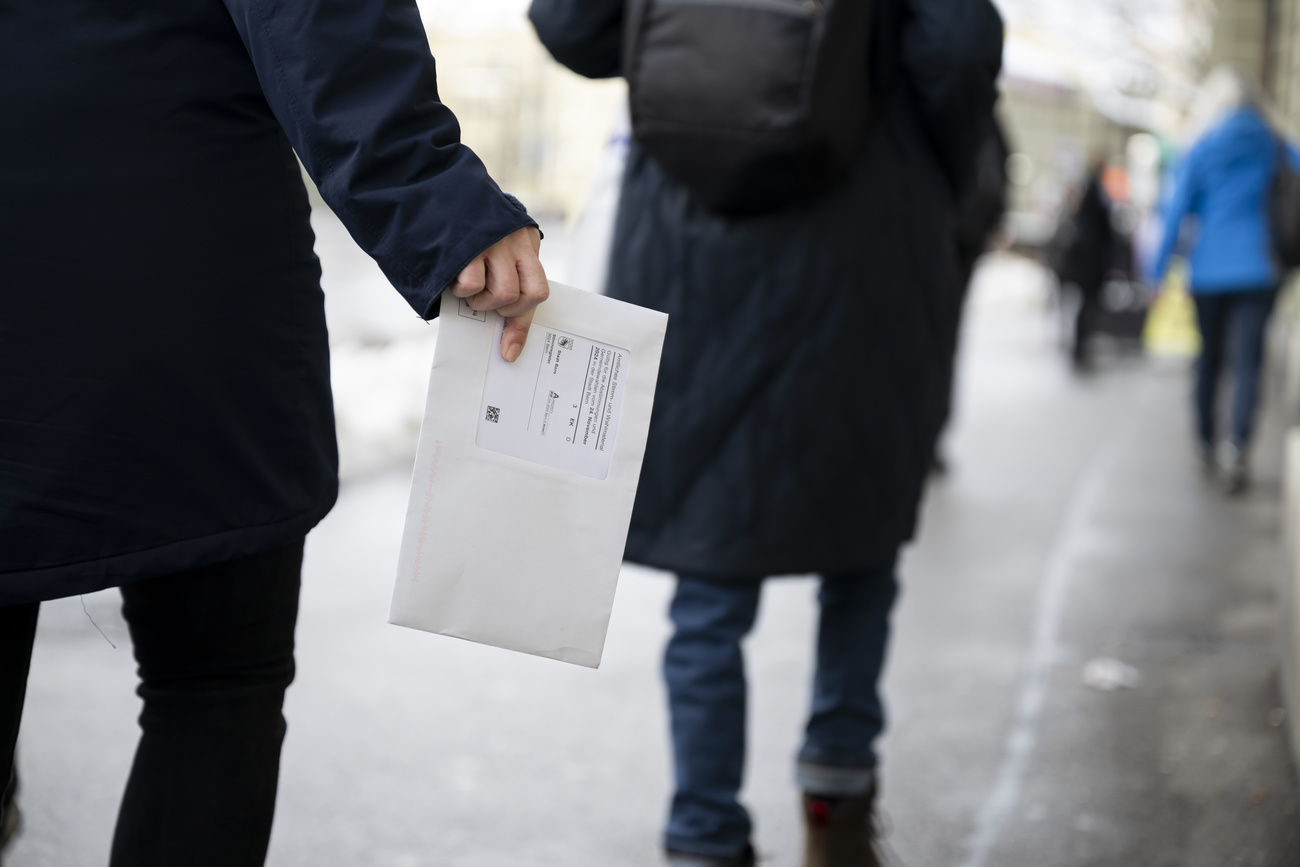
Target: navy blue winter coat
x=164, y=368
x=808, y=358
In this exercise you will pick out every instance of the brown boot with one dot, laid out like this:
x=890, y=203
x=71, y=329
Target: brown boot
x=840, y=832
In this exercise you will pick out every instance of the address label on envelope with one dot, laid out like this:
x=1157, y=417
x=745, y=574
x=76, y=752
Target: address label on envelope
x=558, y=405
x=526, y=473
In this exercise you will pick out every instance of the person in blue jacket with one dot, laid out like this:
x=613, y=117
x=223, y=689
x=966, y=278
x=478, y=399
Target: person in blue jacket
x=1220, y=199
x=166, y=422
x=806, y=374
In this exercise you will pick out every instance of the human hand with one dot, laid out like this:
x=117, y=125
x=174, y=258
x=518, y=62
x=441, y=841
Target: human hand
x=508, y=278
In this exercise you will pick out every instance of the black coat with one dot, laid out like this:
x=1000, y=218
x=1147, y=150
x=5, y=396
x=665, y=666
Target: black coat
x=805, y=371
x=1088, y=250
x=164, y=366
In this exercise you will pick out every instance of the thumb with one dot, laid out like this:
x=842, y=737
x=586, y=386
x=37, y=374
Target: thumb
x=514, y=335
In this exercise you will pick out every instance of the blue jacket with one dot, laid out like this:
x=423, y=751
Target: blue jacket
x=1223, y=184
x=164, y=365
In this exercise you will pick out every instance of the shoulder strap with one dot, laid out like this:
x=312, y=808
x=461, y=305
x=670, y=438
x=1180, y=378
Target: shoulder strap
x=633, y=14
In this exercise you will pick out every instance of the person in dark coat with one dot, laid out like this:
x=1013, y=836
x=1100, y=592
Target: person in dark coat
x=983, y=205
x=804, y=381
x=1087, y=256
x=165, y=414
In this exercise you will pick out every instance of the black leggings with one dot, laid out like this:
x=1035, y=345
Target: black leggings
x=215, y=653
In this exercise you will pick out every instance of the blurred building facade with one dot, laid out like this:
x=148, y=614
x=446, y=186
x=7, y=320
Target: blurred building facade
x=537, y=126
x=1240, y=32
x=1278, y=55
x=1053, y=128
x=1263, y=36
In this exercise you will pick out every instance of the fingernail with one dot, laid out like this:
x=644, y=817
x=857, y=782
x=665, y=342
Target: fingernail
x=512, y=352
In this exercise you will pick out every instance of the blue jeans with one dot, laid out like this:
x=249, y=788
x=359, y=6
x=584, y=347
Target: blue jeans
x=705, y=673
x=1237, y=319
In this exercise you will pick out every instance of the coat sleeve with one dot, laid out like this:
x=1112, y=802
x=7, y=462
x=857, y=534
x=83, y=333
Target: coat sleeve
x=951, y=56
x=352, y=83
x=1184, y=202
x=584, y=35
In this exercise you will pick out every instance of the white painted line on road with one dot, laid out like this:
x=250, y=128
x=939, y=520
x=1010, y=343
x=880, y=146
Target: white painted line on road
x=1052, y=595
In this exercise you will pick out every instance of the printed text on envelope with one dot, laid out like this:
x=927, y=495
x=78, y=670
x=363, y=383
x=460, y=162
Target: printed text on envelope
x=558, y=404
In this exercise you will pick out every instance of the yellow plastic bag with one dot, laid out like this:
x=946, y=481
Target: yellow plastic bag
x=1171, y=330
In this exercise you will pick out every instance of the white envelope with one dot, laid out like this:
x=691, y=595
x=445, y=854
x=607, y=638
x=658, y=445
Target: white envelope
x=525, y=475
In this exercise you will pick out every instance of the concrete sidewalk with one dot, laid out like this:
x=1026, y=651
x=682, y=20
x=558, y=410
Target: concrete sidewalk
x=1079, y=526
x=1075, y=526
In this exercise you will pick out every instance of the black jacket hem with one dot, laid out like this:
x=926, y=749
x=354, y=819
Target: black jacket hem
x=89, y=576
x=728, y=569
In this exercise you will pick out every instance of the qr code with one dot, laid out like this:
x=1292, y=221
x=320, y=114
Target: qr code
x=493, y=414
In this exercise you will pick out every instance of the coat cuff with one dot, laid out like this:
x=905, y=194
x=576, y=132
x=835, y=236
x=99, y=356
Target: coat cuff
x=509, y=216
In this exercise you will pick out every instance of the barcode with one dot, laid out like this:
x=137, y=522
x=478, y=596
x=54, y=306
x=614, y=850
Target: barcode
x=493, y=414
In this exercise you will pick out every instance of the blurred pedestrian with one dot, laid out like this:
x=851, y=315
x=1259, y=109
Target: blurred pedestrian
x=165, y=417
x=1222, y=182
x=804, y=379
x=1087, y=256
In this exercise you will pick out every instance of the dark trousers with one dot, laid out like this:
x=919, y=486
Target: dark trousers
x=1085, y=323
x=1231, y=322
x=215, y=653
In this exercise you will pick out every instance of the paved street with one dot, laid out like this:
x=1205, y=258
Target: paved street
x=1074, y=525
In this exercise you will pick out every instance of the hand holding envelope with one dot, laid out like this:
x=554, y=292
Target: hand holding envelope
x=551, y=446
x=508, y=278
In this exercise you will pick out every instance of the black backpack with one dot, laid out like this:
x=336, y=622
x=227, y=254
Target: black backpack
x=1284, y=209
x=751, y=104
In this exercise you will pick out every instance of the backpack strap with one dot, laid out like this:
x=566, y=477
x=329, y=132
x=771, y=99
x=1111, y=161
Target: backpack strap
x=633, y=13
